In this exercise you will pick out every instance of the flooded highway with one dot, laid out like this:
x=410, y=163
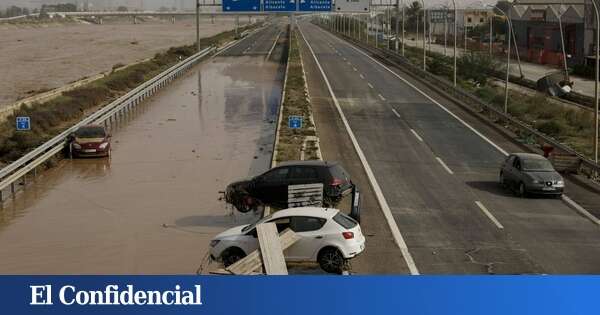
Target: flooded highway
x=153, y=207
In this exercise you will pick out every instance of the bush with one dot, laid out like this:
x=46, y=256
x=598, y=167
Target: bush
x=476, y=67
x=551, y=127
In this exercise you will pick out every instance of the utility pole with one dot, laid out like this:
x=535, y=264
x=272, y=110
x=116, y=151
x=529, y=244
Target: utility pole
x=445, y=32
x=424, y=37
x=491, y=33
x=198, y=25
x=455, y=30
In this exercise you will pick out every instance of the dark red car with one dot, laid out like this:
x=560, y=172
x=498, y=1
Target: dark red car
x=90, y=140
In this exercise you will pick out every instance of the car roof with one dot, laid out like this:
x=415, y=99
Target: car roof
x=529, y=156
x=310, y=162
x=318, y=212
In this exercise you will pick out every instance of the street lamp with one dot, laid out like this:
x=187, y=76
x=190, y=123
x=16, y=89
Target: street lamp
x=509, y=24
x=455, y=30
x=198, y=25
x=424, y=36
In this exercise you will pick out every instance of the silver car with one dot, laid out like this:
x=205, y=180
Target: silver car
x=527, y=173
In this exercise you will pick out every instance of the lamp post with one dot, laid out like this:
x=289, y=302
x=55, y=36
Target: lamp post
x=198, y=25
x=455, y=30
x=509, y=25
x=424, y=36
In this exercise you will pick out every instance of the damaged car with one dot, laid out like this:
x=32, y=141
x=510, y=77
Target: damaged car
x=271, y=187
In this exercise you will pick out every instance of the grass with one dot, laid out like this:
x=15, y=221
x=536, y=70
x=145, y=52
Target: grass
x=570, y=125
x=295, y=103
x=53, y=116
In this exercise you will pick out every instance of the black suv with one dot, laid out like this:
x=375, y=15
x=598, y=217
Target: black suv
x=271, y=187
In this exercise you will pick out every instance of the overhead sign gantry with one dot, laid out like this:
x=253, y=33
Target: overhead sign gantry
x=295, y=6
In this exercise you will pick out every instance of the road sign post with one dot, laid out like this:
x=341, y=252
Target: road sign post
x=295, y=122
x=23, y=123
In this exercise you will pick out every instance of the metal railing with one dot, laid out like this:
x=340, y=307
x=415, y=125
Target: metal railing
x=18, y=169
x=462, y=97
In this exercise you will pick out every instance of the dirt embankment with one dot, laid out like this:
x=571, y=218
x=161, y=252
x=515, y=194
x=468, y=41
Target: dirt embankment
x=41, y=57
x=53, y=116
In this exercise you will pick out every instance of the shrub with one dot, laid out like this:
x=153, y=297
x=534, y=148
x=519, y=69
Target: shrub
x=551, y=127
x=476, y=67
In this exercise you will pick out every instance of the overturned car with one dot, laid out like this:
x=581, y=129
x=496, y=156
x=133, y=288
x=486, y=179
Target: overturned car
x=271, y=187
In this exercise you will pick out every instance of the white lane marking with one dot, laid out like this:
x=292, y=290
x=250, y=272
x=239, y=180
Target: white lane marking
x=580, y=209
x=489, y=214
x=431, y=99
x=370, y=85
x=362, y=76
x=381, y=97
x=570, y=202
x=354, y=68
x=416, y=135
x=444, y=165
x=396, y=113
x=385, y=208
x=274, y=44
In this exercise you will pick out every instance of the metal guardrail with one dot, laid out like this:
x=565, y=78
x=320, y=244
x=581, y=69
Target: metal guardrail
x=587, y=166
x=21, y=167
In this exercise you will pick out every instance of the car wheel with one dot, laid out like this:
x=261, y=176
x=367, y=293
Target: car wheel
x=331, y=260
x=522, y=190
x=232, y=255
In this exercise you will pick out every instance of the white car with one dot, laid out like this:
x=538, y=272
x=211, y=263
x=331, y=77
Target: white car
x=327, y=236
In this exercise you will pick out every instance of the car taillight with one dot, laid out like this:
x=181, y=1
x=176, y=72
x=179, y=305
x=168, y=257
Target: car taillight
x=337, y=182
x=348, y=235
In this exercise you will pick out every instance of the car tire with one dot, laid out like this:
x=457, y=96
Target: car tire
x=231, y=255
x=331, y=260
x=522, y=191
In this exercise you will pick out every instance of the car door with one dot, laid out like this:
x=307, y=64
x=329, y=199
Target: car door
x=507, y=169
x=271, y=187
x=516, y=172
x=311, y=237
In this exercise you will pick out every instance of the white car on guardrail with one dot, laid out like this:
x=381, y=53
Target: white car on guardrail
x=327, y=236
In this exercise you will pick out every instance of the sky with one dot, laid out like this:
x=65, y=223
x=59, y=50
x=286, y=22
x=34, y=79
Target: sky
x=155, y=4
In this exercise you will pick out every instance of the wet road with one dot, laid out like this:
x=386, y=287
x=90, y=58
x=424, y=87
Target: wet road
x=440, y=178
x=153, y=207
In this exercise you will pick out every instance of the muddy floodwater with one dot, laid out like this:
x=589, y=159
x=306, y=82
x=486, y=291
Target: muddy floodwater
x=153, y=207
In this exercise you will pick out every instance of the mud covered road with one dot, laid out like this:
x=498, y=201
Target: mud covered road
x=154, y=206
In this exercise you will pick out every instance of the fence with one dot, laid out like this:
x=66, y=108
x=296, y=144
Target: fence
x=18, y=170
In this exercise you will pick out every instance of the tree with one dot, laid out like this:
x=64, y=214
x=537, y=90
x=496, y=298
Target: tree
x=502, y=5
x=414, y=12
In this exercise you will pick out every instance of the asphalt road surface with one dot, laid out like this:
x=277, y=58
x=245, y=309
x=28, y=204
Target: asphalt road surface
x=154, y=206
x=439, y=178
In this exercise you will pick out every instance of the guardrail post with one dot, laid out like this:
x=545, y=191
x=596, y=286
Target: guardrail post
x=12, y=188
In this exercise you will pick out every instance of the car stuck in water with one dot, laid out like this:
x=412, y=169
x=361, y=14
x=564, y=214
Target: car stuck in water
x=90, y=141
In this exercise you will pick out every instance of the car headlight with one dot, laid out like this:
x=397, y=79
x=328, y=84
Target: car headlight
x=559, y=183
x=76, y=145
x=214, y=243
x=103, y=146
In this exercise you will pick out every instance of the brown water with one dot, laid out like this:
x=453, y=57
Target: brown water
x=154, y=206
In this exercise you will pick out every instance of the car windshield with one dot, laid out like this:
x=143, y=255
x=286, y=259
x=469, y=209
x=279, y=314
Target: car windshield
x=537, y=165
x=90, y=132
x=251, y=226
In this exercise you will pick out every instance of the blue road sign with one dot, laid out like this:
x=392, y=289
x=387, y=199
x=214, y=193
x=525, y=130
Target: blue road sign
x=295, y=122
x=280, y=5
x=315, y=5
x=241, y=5
x=23, y=123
